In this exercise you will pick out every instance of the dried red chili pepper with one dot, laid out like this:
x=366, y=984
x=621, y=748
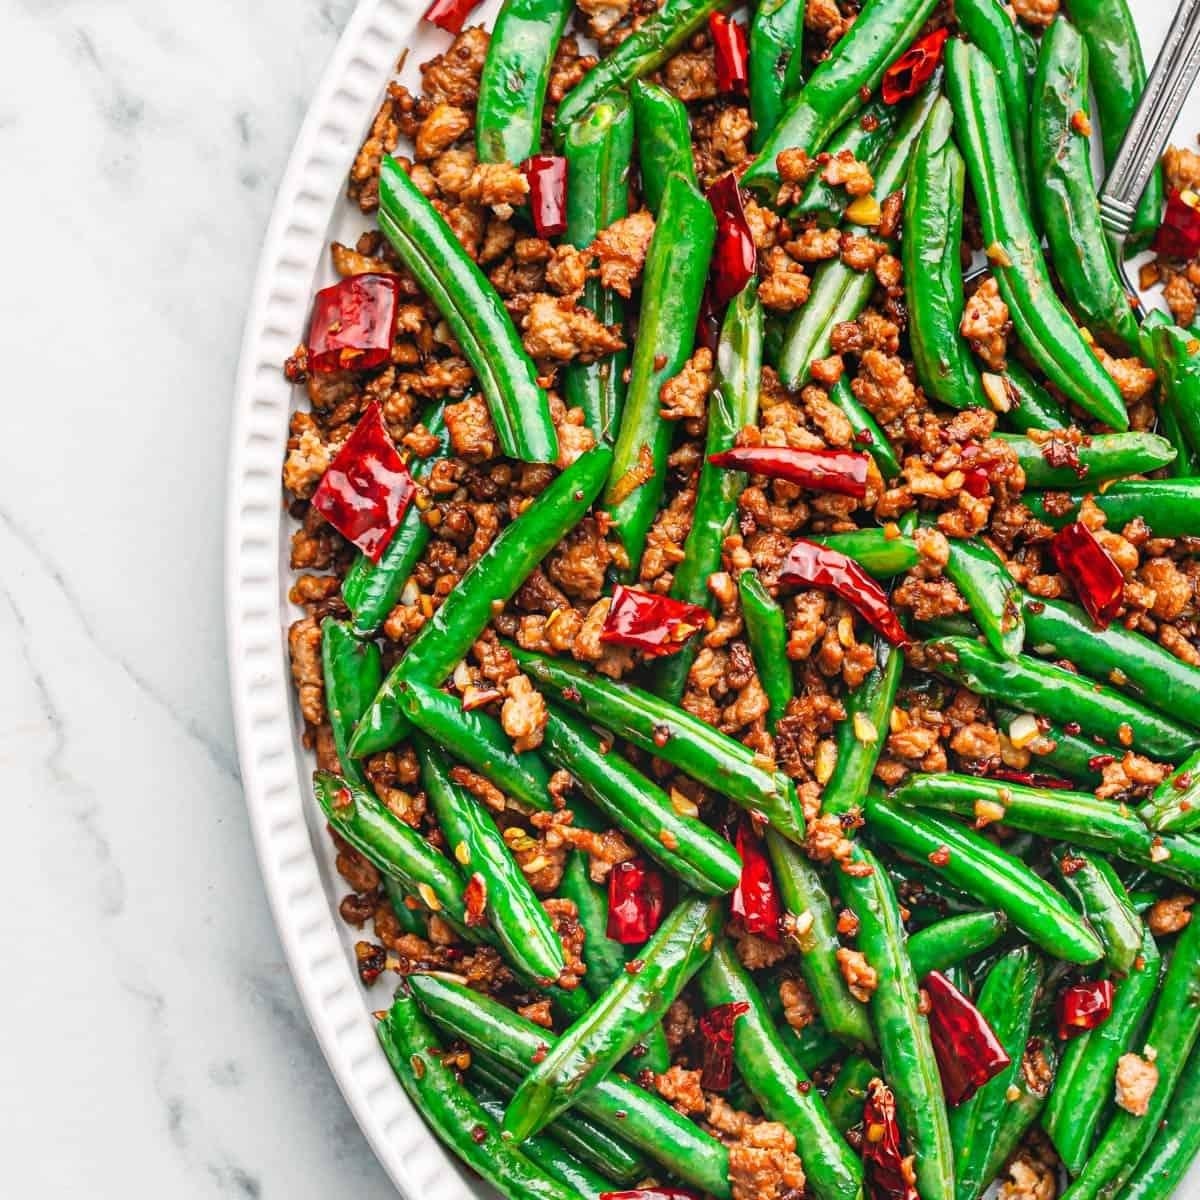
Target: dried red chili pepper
x=976, y=483
x=1179, y=234
x=1027, y=778
x=654, y=1193
x=716, y=1032
x=1097, y=580
x=966, y=1047
x=450, y=15
x=656, y=625
x=842, y=472
x=547, y=176
x=732, y=53
x=1084, y=1006
x=353, y=324
x=708, y=323
x=914, y=67
x=635, y=902
x=887, y=1177
x=735, y=257
x=810, y=565
x=367, y=487
x=475, y=898
x=755, y=900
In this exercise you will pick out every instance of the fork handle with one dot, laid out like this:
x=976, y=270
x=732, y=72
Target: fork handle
x=1174, y=73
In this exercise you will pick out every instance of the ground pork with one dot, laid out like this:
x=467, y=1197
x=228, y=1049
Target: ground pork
x=1170, y=915
x=763, y=1164
x=559, y=330
x=1137, y=1078
x=621, y=251
x=685, y=396
x=986, y=326
x=1036, y=12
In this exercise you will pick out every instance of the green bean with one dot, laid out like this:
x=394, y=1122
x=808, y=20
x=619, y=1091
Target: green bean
x=1102, y=899
x=949, y=941
x=454, y=1114
x=1186, y=464
x=732, y=405
x=477, y=739
x=864, y=137
x=1176, y=354
x=516, y=72
x=1108, y=456
x=1073, y=816
x=492, y=580
x=664, y=140
x=590, y=1142
x=767, y=633
x=776, y=62
x=860, y=735
x=777, y=1081
x=1069, y=754
x=1172, y=1033
x=371, y=590
x=1089, y=1062
x=933, y=277
x=988, y=24
x=839, y=293
x=474, y=312
x=631, y=1006
x=513, y=910
x=990, y=592
x=1174, y=806
x=352, y=672
x=1018, y=1116
x=411, y=920
x=598, y=151
x=879, y=553
x=1042, y=324
x=642, y=1120
x=604, y=958
x=988, y=873
x=655, y=40
x=848, y=1093
x=1066, y=191
x=1030, y=405
x=673, y=735
x=1006, y=1001
x=1061, y=695
x=835, y=89
x=1118, y=78
x=867, y=434
x=1163, y=1166
x=1129, y=660
x=1170, y=507
x=804, y=896
x=672, y=288
x=683, y=845
x=906, y=1050
x=544, y=1151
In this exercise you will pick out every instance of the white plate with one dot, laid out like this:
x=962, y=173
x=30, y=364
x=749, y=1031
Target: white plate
x=293, y=848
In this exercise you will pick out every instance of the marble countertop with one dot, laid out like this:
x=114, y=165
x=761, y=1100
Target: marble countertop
x=152, y=1041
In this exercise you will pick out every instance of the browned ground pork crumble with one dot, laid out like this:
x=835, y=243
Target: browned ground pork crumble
x=560, y=610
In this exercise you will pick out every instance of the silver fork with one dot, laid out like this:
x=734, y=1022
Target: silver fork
x=1175, y=71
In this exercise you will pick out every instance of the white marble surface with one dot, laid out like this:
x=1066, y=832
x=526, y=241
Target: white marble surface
x=151, y=1040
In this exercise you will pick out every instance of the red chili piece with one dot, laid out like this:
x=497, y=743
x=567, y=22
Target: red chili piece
x=756, y=898
x=547, y=176
x=367, y=488
x=1097, y=580
x=450, y=15
x=708, y=323
x=735, y=257
x=975, y=482
x=1028, y=778
x=1179, y=234
x=886, y=1175
x=716, y=1030
x=967, y=1050
x=914, y=67
x=655, y=1193
x=635, y=902
x=810, y=565
x=353, y=324
x=1084, y=1006
x=840, y=471
x=656, y=625
x=732, y=53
